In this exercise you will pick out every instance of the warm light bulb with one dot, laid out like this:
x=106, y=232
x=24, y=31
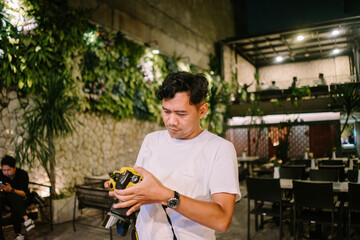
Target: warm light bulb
x=300, y=38
x=335, y=32
x=279, y=59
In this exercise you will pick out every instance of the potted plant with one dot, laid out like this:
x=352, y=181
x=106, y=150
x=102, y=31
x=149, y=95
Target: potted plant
x=48, y=116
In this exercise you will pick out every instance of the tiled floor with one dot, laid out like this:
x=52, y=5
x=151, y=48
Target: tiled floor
x=237, y=230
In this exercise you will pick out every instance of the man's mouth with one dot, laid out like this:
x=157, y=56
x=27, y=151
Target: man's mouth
x=173, y=129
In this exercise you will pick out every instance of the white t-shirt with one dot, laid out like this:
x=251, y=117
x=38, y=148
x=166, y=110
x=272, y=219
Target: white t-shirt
x=196, y=168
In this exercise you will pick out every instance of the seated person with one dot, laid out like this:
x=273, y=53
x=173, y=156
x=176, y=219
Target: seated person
x=293, y=84
x=15, y=183
x=322, y=79
x=273, y=86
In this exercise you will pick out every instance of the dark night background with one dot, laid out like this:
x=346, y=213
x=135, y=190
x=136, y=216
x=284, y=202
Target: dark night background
x=254, y=17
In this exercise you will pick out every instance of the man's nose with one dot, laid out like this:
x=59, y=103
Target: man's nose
x=173, y=120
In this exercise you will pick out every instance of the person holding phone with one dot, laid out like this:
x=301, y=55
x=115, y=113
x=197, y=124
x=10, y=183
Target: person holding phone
x=15, y=183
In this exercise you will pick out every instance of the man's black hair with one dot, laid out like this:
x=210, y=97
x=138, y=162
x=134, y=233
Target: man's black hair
x=195, y=84
x=8, y=160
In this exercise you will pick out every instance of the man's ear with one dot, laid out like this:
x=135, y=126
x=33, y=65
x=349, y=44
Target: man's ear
x=203, y=110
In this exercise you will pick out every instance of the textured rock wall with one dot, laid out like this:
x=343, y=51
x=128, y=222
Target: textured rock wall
x=100, y=144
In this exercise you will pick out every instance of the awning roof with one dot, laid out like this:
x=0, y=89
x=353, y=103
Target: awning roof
x=319, y=42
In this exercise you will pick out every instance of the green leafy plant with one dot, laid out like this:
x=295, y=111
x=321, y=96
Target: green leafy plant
x=346, y=97
x=48, y=117
x=298, y=93
x=218, y=100
x=51, y=40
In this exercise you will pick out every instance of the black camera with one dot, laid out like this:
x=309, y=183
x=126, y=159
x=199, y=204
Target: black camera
x=122, y=179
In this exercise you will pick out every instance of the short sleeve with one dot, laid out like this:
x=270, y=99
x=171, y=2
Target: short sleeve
x=224, y=172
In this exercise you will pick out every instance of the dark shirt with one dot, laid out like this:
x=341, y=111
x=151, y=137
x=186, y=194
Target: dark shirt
x=20, y=181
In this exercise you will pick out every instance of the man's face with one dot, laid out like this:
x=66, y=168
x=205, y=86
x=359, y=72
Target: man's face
x=8, y=171
x=181, y=118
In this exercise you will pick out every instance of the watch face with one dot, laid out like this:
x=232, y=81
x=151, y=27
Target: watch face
x=173, y=203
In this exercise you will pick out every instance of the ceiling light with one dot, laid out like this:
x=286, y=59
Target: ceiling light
x=336, y=51
x=300, y=38
x=335, y=32
x=279, y=59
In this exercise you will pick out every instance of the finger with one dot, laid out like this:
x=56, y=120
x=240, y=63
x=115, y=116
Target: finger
x=133, y=209
x=125, y=204
x=126, y=191
x=125, y=198
x=106, y=184
x=140, y=170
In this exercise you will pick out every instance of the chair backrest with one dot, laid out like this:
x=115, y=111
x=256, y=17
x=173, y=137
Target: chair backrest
x=353, y=175
x=354, y=196
x=94, y=196
x=307, y=163
x=340, y=168
x=324, y=174
x=313, y=194
x=292, y=172
x=264, y=189
x=331, y=162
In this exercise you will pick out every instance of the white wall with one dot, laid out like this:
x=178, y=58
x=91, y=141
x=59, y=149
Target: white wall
x=246, y=73
x=245, y=70
x=335, y=70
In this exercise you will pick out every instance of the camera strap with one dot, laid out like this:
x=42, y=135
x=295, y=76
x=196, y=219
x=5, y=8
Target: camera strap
x=169, y=220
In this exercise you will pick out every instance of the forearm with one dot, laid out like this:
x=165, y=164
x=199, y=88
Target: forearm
x=21, y=193
x=216, y=215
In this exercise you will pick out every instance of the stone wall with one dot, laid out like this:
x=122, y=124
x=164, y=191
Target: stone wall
x=186, y=28
x=100, y=144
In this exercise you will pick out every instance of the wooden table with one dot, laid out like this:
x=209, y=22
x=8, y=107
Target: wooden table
x=248, y=162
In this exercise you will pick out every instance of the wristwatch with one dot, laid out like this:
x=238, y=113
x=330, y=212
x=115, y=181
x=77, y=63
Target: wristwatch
x=174, y=201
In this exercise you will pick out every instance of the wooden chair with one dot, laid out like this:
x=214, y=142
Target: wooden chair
x=292, y=172
x=353, y=210
x=324, y=174
x=307, y=163
x=340, y=168
x=331, y=162
x=353, y=175
x=314, y=203
x=266, y=193
x=92, y=195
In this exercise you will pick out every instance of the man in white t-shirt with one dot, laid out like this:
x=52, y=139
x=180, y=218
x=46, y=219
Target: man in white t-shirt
x=190, y=182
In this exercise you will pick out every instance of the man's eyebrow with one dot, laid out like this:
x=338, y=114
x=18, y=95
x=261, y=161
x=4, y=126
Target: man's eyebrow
x=177, y=111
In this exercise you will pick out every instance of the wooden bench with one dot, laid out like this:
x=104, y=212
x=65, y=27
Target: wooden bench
x=92, y=195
